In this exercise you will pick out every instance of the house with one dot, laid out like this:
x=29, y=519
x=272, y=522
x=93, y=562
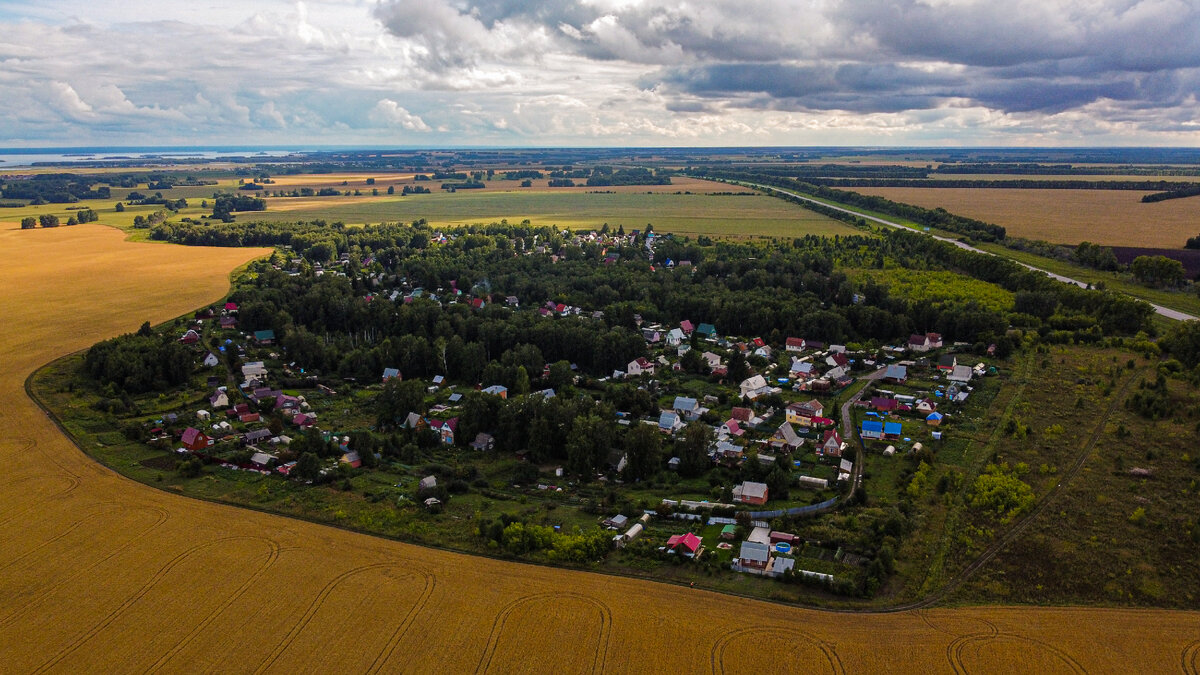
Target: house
x=287, y=402
x=427, y=483
x=211, y=360
x=673, y=463
x=190, y=338
x=785, y=438
x=512, y=301
x=219, y=399
x=651, y=335
x=497, y=390
x=675, y=337
x=871, y=429
x=814, y=344
x=793, y=344
x=246, y=418
x=231, y=307
x=947, y=362
x=477, y=303
x=707, y=330
x=804, y=412
x=669, y=422
x=412, y=421
x=925, y=406
x=896, y=374
x=831, y=444
x=754, y=555
x=687, y=407
x=960, y=374
x=264, y=337
x=445, y=429
x=934, y=340
x=742, y=414
x=304, y=420
x=732, y=428
x=483, y=441
x=351, y=457
x=616, y=522
x=686, y=326
x=254, y=369
x=763, y=351
x=803, y=370
x=754, y=386
x=727, y=450
x=391, y=373
x=685, y=544
x=884, y=404
x=712, y=360
x=618, y=459
x=203, y=415
x=227, y=322
x=262, y=460
x=934, y=419
x=256, y=436
x=194, y=440
x=729, y=532
x=837, y=360
x=750, y=492
x=919, y=343
x=639, y=366
x=892, y=430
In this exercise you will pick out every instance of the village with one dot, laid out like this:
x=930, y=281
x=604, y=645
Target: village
x=812, y=413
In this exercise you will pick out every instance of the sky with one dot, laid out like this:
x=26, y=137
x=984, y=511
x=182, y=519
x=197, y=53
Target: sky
x=600, y=72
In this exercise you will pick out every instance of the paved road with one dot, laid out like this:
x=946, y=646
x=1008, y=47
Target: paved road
x=1164, y=311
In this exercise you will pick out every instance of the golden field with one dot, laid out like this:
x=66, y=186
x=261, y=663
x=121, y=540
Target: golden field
x=101, y=574
x=1110, y=217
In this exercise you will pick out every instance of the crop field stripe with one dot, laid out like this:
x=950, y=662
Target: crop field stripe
x=402, y=629
x=141, y=592
x=69, y=529
x=1189, y=657
x=717, y=654
x=600, y=657
x=272, y=557
x=163, y=516
x=954, y=649
x=318, y=601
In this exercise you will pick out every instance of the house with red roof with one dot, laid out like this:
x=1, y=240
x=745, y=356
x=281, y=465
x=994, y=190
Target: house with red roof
x=831, y=444
x=687, y=327
x=640, y=365
x=190, y=338
x=742, y=414
x=445, y=429
x=794, y=344
x=688, y=545
x=193, y=439
x=884, y=404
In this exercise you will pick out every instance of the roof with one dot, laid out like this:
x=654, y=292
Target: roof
x=789, y=434
x=947, y=360
x=881, y=403
x=706, y=329
x=754, y=382
x=495, y=389
x=896, y=371
x=753, y=550
x=191, y=435
x=689, y=541
x=390, y=373
x=668, y=420
x=684, y=403
x=794, y=342
x=752, y=489
x=261, y=335
x=915, y=339
x=873, y=426
x=741, y=414
x=893, y=428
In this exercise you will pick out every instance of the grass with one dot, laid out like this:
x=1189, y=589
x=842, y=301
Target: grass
x=1179, y=300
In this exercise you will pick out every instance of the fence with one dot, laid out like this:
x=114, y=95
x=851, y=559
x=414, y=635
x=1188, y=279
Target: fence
x=796, y=511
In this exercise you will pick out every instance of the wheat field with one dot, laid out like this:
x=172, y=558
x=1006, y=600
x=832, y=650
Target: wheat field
x=101, y=574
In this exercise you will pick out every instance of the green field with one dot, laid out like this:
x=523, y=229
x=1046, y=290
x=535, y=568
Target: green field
x=690, y=214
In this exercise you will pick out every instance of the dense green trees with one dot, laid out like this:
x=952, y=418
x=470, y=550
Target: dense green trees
x=1157, y=270
x=141, y=362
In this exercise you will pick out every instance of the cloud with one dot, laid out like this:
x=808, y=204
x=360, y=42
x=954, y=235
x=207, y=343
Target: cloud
x=391, y=113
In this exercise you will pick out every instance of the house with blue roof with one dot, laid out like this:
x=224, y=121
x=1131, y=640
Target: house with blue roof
x=685, y=406
x=669, y=422
x=892, y=430
x=871, y=429
x=707, y=330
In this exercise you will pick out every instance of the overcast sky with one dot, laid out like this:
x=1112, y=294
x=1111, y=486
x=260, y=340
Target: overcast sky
x=600, y=72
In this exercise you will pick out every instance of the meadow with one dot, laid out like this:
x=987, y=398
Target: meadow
x=1109, y=217
x=103, y=574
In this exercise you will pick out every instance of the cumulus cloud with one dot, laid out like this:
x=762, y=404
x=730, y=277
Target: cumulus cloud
x=619, y=71
x=391, y=113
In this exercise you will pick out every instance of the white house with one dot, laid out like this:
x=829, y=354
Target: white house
x=755, y=386
x=640, y=365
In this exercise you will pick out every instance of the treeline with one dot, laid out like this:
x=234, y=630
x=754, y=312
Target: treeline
x=1172, y=193
x=55, y=188
x=1170, y=186
x=225, y=204
x=139, y=362
x=604, y=176
x=936, y=218
x=1064, y=169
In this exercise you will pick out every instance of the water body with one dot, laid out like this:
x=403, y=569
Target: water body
x=11, y=158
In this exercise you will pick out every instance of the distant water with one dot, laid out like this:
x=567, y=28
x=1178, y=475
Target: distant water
x=15, y=158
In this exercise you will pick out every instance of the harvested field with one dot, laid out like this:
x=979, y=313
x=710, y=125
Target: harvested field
x=1110, y=217
x=1189, y=257
x=101, y=574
